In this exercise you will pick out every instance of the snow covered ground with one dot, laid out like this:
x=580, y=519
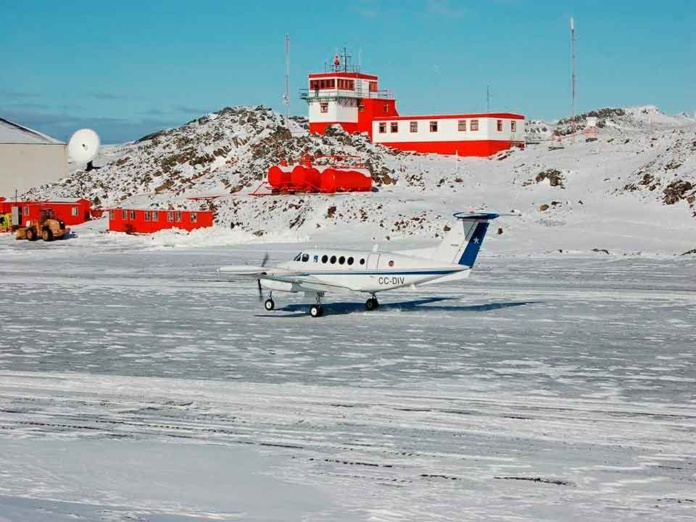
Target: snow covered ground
x=136, y=384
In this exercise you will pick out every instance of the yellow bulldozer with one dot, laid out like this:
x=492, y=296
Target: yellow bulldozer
x=48, y=228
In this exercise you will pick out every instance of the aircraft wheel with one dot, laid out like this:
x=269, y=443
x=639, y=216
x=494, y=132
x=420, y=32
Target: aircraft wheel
x=269, y=304
x=316, y=310
x=371, y=304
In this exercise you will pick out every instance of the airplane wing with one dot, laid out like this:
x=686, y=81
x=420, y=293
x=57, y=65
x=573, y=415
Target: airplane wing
x=307, y=283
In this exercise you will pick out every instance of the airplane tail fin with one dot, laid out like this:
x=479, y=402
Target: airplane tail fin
x=462, y=243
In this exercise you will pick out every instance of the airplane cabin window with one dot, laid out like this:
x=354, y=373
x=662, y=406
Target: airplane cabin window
x=350, y=260
x=324, y=258
x=362, y=261
x=305, y=258
x=341, y=260
x=333, y=260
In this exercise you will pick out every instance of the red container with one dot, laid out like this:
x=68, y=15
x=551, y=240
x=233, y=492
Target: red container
x=336, y=180
x=312, y=179
x=297, y=177
x=279, y=178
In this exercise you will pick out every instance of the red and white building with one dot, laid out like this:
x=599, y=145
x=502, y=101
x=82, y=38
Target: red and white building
x=354, y=101
x=148, y=221
x=70, y=211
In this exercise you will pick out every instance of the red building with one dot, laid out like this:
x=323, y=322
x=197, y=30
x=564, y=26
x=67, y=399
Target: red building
x=138, y=221
x=70, y=211
x=354, y=101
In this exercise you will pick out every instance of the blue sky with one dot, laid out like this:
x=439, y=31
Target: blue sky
x=128, y=68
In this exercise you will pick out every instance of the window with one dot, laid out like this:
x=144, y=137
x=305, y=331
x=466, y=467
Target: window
x=499, y=125
x=74, y=211
x=386, y=108
x=362, y=261
x=178, y=217
x=474, y=125
x=26, y=211
x=333, y=260
x=413, y=126
x=391, y=263
x=147, y=216
x=433, y=126
x=462, y=125
x=170, y=216
x=305, y=258
x=382, y=127
x=341, y=260
x=324, y=107
x=324, y=258
x=394, y=126
x=112, y=214
x=297, y=257
x=373, y=86
x=124, y=215
x=132, y=215
x=193, y=217
x=350, y=260
x=155, y=216
x=513, y=126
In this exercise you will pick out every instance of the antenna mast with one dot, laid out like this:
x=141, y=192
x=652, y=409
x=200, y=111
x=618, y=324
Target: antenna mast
x=572, y=67
x=286, y=94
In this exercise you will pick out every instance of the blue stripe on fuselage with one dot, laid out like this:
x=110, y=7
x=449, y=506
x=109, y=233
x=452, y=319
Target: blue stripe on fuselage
x=380, y=272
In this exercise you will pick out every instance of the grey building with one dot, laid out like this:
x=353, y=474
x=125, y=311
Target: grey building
x=29, y=158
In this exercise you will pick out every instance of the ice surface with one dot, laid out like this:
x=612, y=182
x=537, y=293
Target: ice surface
x=136, y=384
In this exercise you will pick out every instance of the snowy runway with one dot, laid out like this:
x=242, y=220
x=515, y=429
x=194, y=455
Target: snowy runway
x=135, y=384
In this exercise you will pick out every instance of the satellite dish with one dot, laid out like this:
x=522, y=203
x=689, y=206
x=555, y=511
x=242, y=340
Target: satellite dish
x=83, y=146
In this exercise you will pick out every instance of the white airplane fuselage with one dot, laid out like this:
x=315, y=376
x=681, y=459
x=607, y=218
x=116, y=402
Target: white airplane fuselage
x=359, y=271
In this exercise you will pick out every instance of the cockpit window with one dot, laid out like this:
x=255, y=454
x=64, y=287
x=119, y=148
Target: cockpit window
x=305, y=258
x=298, y=256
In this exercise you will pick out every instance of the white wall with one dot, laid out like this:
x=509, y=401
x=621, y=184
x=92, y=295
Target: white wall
x=339, y=111
x=447, y=130
x=24, y=166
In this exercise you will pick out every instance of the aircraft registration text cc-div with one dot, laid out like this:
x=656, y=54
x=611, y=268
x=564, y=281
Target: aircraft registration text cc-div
x=316, y=272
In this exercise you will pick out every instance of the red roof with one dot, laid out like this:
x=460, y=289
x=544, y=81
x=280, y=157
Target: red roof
x=344, y=75
x=500, y=115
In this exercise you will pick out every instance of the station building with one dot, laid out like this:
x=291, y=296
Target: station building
x=354, y=101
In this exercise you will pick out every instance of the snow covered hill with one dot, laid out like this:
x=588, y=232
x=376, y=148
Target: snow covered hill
x=630, y=190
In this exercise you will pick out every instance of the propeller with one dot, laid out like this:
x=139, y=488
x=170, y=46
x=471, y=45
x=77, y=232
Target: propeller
x=258, y=281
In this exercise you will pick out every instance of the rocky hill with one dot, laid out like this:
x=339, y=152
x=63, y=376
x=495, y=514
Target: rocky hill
x=635, y=177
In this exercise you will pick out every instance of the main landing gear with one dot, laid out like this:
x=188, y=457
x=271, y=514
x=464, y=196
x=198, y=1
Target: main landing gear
x=317, y=310
x=371, y=304
x=269, y=304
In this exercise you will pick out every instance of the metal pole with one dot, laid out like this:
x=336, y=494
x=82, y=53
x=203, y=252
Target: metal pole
x=572, y=77
x=286, y=96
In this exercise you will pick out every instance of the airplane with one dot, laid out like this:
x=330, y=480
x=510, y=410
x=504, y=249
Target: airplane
x=320, y=271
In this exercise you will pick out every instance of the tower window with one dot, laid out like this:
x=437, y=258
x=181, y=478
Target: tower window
x=394, y=126
x=499, y=125
x=413, y=126
x=474, y=125
x=433, y=126
x=382, y=127
x=462, y=125
x=324, y=106
x=513, y=126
